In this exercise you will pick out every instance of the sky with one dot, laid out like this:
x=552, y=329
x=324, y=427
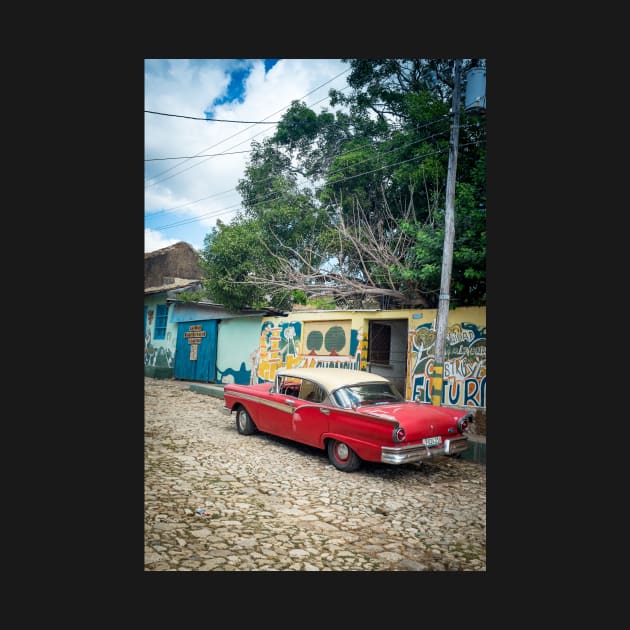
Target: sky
x=185, y=196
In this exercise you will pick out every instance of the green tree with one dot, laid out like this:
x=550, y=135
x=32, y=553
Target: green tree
x=230, y=252
x=351, y=202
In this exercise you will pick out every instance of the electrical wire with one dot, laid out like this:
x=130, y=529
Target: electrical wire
x=247, y=122
x=273, y=198
x=190, y=157
x=353, y=165
x=189, y=203
x=239, y=132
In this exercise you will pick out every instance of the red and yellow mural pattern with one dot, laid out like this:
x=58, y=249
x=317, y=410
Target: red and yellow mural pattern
x=336, y=343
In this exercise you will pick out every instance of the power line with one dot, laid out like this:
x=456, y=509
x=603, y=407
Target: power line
x=190, y=157
x=333, y=172
x=199, y=163
x=189, y=203
x=272, y=198
x=379, y=155
x=247, y=122
x=239, y=132
x=380, y=168
x=212, y=213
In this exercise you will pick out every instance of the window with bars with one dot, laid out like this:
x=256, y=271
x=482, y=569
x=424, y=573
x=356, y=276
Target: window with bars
x=380, y=343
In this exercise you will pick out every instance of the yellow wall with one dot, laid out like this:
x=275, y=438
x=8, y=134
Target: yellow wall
x=340, y=339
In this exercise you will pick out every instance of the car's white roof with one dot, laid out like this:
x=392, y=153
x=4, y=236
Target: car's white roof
x=332, y=378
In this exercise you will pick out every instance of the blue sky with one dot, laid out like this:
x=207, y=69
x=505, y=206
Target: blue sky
x=185, y=196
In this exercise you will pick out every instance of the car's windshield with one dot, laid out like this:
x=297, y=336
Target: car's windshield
x=367, y=394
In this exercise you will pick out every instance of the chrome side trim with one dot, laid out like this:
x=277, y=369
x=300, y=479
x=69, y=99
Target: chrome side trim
x=381, y=416
x=419, y=452
x=262, y=401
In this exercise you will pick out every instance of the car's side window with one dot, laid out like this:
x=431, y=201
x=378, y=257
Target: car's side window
x=289, y=386
x=311, y=392
x=301, y=388
x=345, y=397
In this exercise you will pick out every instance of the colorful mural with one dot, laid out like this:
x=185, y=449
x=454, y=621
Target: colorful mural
x=159, y=353
x=324, y=344
x=464, y=364
x=157, y=357
x=230, y=375
x=343, y=343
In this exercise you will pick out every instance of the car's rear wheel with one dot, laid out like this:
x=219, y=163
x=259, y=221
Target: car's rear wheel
x=342, y=457
x=244, y=423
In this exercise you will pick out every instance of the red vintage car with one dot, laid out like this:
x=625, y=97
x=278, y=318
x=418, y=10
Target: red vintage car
x=353, y=415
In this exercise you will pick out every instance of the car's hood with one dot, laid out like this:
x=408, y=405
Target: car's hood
x=419, y=420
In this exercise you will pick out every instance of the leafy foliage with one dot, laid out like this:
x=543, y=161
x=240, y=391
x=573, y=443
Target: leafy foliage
x=351, y=202
x=228, y=255
x=191, y=296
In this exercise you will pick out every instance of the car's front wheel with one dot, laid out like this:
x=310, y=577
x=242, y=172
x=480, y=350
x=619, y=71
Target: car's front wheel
x=342, y=457
x=244, y=423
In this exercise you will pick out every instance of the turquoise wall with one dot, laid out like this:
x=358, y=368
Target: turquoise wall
x=237, y=347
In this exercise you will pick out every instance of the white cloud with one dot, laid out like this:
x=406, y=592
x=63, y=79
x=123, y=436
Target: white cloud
x=188, y=88
x=154, y=240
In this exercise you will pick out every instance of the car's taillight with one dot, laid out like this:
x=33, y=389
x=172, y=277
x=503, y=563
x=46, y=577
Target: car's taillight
x=399, y=434
x=463, y=422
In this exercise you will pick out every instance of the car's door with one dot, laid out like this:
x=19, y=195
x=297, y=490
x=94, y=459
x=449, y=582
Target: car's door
x=279, y=407
x=309, y=418
x=308, y=422
x=295, y=411
x=276, y=412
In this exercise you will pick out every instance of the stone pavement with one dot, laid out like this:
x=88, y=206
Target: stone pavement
x=219, y=501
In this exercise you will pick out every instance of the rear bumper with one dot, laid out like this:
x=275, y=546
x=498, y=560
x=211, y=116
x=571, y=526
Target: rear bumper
x=226, y=410
x=419, y=452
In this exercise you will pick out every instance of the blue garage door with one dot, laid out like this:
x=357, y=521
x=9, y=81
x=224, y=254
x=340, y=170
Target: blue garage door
x=196, y=352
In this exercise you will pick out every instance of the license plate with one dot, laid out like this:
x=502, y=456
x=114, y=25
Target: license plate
x=432, y=441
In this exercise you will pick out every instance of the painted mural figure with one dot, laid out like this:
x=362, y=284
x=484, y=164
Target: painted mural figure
x=148, y=348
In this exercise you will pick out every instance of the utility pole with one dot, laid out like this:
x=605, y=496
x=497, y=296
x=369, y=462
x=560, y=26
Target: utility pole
x=437, y=378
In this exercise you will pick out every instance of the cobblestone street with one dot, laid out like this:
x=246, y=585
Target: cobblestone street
x=219, y=501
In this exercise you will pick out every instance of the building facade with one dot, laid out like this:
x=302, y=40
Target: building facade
x=398, y=344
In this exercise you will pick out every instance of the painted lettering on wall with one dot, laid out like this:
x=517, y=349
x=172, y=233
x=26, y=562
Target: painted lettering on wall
x=337, y=344
x=464, y=364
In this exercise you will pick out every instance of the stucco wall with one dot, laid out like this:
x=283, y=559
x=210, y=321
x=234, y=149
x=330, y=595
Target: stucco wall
x=340, y=339
x=237, y=346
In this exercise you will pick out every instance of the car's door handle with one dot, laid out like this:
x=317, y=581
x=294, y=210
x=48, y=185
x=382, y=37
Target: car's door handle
x=325, y=411
x=289, y=401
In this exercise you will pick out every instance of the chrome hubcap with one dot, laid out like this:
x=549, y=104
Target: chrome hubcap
x=342, y=451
